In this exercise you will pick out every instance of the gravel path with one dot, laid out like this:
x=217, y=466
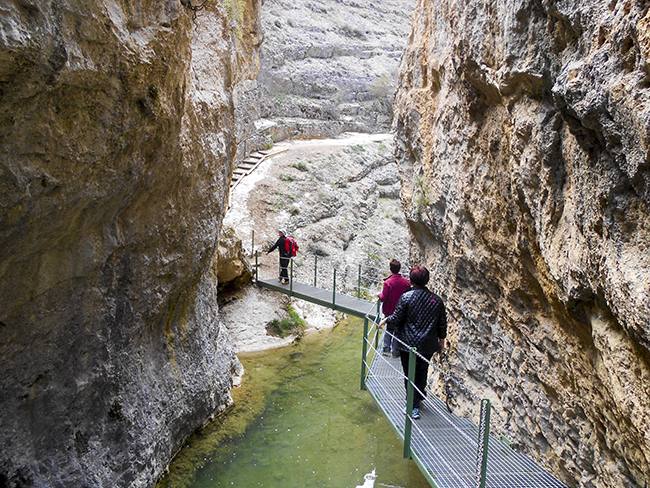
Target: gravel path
x=340, y=199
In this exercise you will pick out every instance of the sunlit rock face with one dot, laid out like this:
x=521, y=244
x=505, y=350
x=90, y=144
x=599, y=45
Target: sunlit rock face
x=523, y=138
x=116, y=130
x=328, y=67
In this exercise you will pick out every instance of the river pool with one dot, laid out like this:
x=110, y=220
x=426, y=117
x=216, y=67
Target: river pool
x=299, y=420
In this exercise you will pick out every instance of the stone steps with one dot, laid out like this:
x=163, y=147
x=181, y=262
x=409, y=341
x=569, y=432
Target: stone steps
x=249, y=164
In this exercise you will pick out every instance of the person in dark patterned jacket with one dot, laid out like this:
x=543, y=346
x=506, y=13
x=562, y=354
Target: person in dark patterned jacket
x=420, y=321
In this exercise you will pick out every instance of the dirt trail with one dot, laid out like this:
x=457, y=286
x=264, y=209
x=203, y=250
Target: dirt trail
x=340, y=199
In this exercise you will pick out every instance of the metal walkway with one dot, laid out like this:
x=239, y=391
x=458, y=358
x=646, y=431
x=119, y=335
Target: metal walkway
x=335, y=301
x=443, y=445
x=450, y=451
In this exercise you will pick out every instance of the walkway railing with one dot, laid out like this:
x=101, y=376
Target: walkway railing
x=364, y=284
x=451, y=452
x=359, y=281
x=371, y=341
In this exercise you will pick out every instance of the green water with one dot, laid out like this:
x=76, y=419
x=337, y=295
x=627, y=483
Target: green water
x=299, y=420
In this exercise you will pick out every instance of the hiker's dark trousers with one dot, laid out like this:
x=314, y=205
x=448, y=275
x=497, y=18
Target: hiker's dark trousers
x=421, y=373
x=284, y=268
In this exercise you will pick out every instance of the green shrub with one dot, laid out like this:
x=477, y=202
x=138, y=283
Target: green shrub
x=292, y=325
x=300, y=166
x=235, y=10
x=422, y=189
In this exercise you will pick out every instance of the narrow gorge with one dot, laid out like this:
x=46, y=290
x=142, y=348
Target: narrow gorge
x=521, y=155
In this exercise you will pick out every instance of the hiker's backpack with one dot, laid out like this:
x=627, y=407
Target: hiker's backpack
x=291, y=246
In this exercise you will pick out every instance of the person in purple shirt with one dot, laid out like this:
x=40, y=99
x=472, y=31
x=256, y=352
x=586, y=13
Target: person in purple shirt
x=393, y=288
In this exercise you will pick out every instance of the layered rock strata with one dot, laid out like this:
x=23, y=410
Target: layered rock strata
x=523, y=138
x=326, y=68
x=117, y=132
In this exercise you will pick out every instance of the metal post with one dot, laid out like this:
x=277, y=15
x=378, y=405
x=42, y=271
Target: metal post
x=252, y=242
x=334, y=290
x=410, y=394
x=315, y=268
x=483, y=439
x=291, y=277
x=256, y=268
x=364, y=352
x=377, y=336
x=359, y=285
x=378, y=319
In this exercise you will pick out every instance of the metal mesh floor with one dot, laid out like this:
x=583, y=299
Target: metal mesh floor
x=444, y=444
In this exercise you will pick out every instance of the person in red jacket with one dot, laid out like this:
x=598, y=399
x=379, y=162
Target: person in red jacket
x=393, y=288
x=285, y=256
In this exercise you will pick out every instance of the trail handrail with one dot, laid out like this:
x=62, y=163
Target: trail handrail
x=359, y=291
x=372, y=284
x=485, y=404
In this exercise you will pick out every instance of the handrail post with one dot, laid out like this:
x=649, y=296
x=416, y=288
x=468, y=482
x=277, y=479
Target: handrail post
x=364, y=353
x=256, y=268
x=378, y=319
x=291, y=279
x=315, y=268
x=252, y=242
x=483, y=440
x=359, y=285
x=410, y=394
x=377, y=335
x=334, y=290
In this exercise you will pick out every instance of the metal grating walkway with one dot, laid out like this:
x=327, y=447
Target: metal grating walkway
x=339, y=302
x=444, y=445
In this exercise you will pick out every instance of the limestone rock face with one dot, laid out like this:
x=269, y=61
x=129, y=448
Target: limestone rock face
x=523, y=138
x=232, y=266
x=328, y=67
x=116, y=130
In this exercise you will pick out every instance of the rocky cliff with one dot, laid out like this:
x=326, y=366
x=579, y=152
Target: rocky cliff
x=326, y=68
x=523, y=138
x=117, y=132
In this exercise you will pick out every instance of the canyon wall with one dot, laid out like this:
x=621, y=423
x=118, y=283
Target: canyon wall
x=326, y=68
x=117, y=130
x=523, y=138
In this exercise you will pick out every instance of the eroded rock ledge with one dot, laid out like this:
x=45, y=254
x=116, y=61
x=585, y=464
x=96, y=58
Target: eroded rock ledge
x=523, y=143
x=117, y=129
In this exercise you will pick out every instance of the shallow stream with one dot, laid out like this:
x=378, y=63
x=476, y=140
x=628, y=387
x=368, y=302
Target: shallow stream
x=299, y=420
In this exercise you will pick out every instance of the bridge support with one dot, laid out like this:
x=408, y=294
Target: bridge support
x=291, y=280
x=410, y=394
x=359, y=284
x=364, y=353
x=483, y=437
